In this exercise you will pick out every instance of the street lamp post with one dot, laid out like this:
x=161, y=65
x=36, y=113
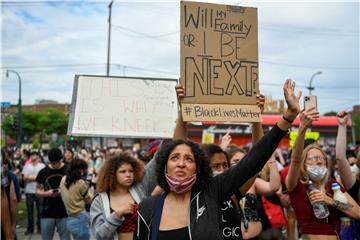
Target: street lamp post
x=310, y=87
x=19, y=135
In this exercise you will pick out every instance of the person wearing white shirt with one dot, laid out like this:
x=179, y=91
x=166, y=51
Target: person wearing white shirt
x=30, y=172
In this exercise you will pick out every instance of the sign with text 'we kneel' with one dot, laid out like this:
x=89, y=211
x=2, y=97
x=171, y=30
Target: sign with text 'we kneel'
x=219, y=62
x=123, y=107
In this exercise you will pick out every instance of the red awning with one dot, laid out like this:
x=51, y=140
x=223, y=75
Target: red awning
x=323, y=120
x=10, y=141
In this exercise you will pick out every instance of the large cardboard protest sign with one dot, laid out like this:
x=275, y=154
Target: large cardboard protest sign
x=219, y=62
x=123, y=107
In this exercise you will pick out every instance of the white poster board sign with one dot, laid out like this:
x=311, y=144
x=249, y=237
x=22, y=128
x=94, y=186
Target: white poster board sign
x=123, y=107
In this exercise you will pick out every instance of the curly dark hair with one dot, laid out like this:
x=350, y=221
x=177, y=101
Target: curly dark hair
x=203, y=170
x=73, y=171
x=107, y=175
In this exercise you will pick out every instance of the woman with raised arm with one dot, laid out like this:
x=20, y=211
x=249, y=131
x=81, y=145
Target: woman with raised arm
x=349, y=175
x=310, y=164
x=190, y=207
x=219, y=162
x=121, y=185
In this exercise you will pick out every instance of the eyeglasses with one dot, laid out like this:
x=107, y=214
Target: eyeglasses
x=315, y=158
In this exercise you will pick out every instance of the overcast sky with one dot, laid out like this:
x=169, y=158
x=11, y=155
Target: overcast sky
x=47, y=43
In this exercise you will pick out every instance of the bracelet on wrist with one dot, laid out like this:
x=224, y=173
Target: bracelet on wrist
x=288, y=120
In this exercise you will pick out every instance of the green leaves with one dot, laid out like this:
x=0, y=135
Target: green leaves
x=47, y=122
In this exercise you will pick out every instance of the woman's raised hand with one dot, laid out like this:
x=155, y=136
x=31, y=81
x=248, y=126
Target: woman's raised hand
x=308, y=116
x=343, y=117
x=291, y=99
x=260, y=102
x=180, y=91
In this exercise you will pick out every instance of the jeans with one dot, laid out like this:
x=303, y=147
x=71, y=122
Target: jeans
x=31, y=200
x=79, y=226
x=48, y=228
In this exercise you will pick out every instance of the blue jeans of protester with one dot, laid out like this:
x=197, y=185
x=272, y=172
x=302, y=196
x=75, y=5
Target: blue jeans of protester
x=31, y=200
x=79, y=226
x=48, y=228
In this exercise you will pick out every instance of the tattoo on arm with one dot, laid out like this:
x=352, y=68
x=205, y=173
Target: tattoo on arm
x=342, y=206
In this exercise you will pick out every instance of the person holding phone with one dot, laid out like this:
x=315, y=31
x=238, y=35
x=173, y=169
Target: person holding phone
x=53, y=214
x=310, y=102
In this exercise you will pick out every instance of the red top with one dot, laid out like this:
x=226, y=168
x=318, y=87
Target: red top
x=128, y=224
x=307, y=221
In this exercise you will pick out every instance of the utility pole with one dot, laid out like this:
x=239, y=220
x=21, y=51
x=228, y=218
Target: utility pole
x=108, y=55
x=19, y=118
x=310, y=87
x=109, y=40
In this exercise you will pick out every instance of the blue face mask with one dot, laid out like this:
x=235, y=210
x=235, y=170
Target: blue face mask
x=84, y=176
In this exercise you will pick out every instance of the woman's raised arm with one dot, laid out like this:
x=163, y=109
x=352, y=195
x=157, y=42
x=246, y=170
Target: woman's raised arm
x=306, y=119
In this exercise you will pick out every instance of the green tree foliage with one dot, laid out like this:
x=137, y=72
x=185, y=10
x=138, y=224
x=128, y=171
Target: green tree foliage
x=8, y=126
x=331, y=113
x=356, y=121
x=48, y=121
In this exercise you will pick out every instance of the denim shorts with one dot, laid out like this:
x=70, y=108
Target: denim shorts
x=79, y=226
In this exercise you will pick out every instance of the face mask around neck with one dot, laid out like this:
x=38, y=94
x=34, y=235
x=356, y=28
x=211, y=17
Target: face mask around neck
x=180, y=186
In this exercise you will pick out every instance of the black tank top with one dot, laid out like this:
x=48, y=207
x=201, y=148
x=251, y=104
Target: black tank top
x=175, y=234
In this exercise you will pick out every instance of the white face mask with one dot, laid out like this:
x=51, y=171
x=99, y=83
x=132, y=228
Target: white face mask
x=354, y=169
x=215, y=173
x=316, y=172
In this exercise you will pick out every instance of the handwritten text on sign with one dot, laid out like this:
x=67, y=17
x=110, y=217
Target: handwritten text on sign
x=219, y=54
x=109, y=106
x=231, y=113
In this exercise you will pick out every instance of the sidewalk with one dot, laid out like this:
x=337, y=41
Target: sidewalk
x=21, y=230
x=20, y=235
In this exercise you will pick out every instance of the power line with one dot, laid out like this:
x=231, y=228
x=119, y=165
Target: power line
x=152, y=71
x=311, y=66
x=39, y=3
x=54, y=65
x=322, y=30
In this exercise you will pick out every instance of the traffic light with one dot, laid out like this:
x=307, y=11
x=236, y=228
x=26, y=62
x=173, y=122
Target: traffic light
x=71, y=138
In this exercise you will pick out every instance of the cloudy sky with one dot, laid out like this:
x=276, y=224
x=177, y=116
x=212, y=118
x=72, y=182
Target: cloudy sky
x=48, y=42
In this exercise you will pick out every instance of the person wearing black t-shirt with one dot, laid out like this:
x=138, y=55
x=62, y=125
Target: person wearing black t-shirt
x=53, y=212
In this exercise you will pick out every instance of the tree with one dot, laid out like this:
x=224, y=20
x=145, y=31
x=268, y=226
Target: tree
x=331, y=113
x=56, y=122
x=356, y=121
x=48, y=121
x=8, y=126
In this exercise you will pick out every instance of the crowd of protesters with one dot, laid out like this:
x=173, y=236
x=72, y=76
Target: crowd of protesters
x=178, y=189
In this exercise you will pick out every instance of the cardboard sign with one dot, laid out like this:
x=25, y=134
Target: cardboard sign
x=123, y=107
x=219, y=59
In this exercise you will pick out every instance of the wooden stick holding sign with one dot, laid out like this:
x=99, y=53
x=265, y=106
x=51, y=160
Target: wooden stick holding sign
x=219, y=62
